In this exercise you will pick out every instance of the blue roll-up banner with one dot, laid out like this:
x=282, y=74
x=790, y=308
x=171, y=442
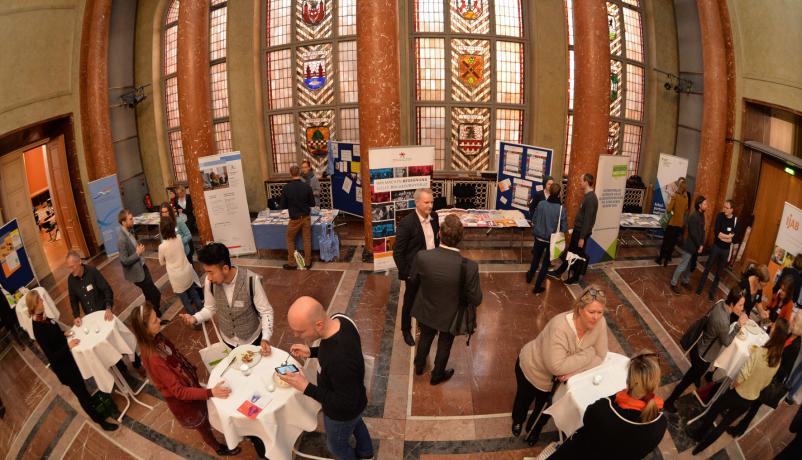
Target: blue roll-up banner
x=105, y=193
x=346, y=181
x=521, y=168
x=15, y=268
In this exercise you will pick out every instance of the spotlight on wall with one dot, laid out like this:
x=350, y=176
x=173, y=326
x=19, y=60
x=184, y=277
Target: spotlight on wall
x=667, y=86
x=676, y=83
x=132, y=98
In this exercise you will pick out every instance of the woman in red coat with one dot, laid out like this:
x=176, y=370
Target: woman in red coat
x=176, y=378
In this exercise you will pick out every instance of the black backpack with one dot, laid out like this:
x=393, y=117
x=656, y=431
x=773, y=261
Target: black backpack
x=694, y=333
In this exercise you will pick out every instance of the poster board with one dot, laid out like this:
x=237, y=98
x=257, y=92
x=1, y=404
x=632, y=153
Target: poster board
x=521, y=168
x=669, y=169
x=15, y=268
x=346, y=180
x=395, y=174
x=226, y=202
x=611, y=182
x=106, y=200
x=787, y=245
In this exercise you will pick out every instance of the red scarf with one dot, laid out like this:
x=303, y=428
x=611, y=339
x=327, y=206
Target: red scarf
x=625, y=401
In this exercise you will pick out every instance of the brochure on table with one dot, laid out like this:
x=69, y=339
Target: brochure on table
x=395, y=174
x=105, y=193
x=520, y=169
x=346, y=182
x=669, y=170
x=226, y=202
x=16, y=270
x=611, y=183
x=787, y=245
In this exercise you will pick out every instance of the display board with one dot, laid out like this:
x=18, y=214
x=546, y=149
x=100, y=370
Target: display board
x=226, y=202
x=106, y=200
x=395, y=174
x=15, y=268
x=346, y=181
x=521, y=168
x=787, y=245
x=669, y=170
x=611, y=183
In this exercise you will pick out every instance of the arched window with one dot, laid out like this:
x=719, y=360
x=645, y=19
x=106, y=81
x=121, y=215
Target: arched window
x=170, y=91
x=469, y=78
x=627, y=80
x=310, y=77
x=219, y=76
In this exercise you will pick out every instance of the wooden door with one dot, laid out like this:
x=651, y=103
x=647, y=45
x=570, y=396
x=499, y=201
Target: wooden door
x=774, y=189
x=63, y=199
x=17, y=205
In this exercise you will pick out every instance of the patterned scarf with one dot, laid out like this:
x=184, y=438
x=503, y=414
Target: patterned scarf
x=625, y=401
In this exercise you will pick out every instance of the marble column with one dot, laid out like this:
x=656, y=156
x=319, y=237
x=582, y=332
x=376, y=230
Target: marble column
x=714, y=108
x=377, y=80
x=194, y=102
x=727, y=168
x=591, y=96
x=94, y=87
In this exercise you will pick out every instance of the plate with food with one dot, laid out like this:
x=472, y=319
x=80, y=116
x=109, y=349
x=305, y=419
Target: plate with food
x=249, y=356
x=753, y=327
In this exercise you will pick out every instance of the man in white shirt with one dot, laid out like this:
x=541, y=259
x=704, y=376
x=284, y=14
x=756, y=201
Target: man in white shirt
x=236, y=297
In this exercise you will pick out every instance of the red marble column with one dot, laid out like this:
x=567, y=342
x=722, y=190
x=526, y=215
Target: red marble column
x=377, y=80
x=714, y=108
x=94, y=87
x=194, y=101
x=726, y=169
x=591, y=96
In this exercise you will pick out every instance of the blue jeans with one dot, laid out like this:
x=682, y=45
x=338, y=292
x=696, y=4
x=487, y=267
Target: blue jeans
x=338, y=437
x=189, y=297
x=682, y=270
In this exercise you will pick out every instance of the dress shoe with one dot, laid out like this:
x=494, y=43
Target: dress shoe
x=442, y=378
x=710, y=296
x=538, y=290
x=516, y=429
x=735, y=431
x=224, y=451
x=309, y=265
x=675, y=289
x=408, y=339
x=290, y=267
x=529, y=276
x=108, y=426
x=418, y=370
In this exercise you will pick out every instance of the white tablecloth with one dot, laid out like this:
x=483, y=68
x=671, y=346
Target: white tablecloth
x=98, y=351
x=572, y=398
x=735, y=355
x=283, y=419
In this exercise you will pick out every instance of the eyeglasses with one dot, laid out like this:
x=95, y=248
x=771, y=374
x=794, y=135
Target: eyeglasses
x=647, y=355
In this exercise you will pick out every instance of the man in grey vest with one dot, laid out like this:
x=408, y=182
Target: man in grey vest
x=236, y=297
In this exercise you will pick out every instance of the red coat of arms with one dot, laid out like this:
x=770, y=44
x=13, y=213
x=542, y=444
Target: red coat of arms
x=471, y=67
x=470, y=138
x=313, y=11
x=469, y=9
x=317, y=140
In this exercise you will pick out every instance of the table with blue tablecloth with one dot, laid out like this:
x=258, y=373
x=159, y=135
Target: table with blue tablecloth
x=270, y=228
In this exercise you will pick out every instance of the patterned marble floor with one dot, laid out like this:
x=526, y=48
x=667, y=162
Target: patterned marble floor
x=465, y=418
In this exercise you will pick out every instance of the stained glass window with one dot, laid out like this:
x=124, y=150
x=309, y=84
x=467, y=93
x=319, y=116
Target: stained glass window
x=627, y=80
x=311, y=79
x=469, y=76
x=218, y=24
x=170, y=91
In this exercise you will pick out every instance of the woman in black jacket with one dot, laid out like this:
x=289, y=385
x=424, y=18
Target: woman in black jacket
x=626, y=425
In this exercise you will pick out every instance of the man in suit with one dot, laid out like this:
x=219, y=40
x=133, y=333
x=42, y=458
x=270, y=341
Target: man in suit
x=134, y=268
x=417, y=231
x=438, y=276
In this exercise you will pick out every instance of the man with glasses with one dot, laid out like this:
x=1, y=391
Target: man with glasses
x=724, y=230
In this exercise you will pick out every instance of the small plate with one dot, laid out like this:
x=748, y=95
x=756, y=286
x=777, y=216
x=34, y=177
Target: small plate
x=257, y=356
x=753, y=327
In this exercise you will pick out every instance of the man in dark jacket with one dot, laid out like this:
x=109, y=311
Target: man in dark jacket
x=693, y=246
x=724, y=231
x=438, y=277
x=298, y=199
x=583, y=226
x=417, y=231
x=538, y=196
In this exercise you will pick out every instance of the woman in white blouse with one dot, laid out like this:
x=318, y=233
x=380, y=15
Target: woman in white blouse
x=183, y=278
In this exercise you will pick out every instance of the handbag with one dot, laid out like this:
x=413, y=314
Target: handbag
x=773, y=393
x=464, y=321
x=329, y=243
x=214, y=352
x=665, y=219
x=557, y=240
x=694, y=333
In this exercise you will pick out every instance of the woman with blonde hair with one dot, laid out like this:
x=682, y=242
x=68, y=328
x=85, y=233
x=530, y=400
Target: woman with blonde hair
x=678, y=207
x=53, y=342
x=626, y=425
x=176, y=379
x=572, y=342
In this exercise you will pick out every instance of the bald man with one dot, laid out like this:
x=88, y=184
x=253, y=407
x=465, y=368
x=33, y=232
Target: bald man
x=340, y=385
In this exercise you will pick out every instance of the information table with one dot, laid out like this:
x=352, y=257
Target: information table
x=491, y=219
x=270, y=228
x=147, y=221
x=632, y=222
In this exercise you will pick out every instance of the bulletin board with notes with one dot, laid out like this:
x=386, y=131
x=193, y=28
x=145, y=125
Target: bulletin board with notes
x=346, y=182
x=522, y=170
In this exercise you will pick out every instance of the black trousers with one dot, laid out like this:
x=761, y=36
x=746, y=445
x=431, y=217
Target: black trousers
x=85, y=399
x=444, y=342
x=406, y=308
x=578, y=268
x=718, y=259
x=540, y=251
x=524, y=395
x=670, y=237
x=731, y=406
x=152, y=293
x=694, y=375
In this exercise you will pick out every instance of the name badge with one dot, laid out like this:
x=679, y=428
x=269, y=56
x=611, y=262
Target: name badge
x=239, y=304
x=729, y=229
x=89, y=287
